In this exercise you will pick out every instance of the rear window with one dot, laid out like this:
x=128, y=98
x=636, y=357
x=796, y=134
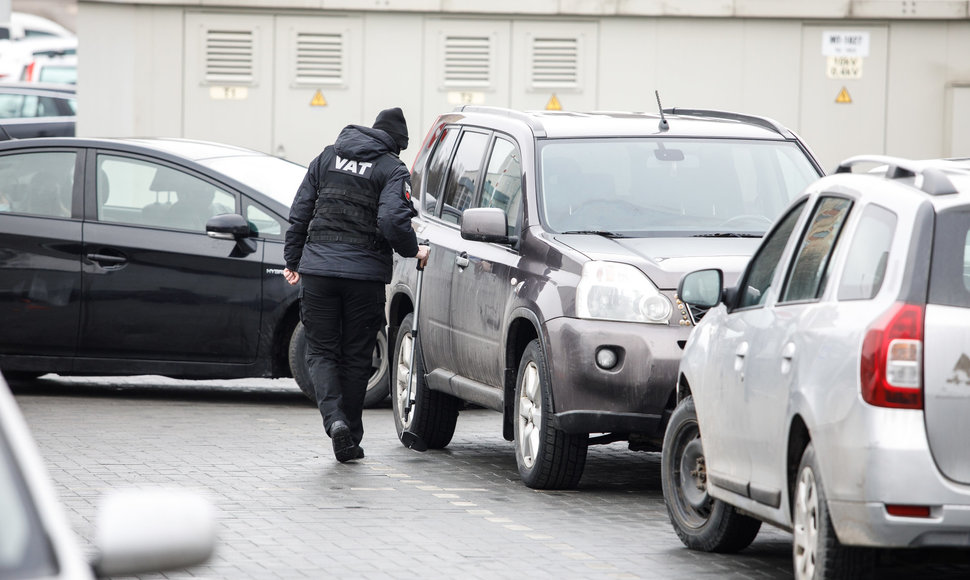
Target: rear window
x=950, y=267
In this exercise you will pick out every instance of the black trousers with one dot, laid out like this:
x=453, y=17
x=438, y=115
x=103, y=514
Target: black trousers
x=342, y=318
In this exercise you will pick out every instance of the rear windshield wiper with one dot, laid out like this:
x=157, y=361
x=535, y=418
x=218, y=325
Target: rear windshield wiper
x=605, y=234
x=727, y=235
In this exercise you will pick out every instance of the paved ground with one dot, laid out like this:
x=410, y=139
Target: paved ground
x=289, y=510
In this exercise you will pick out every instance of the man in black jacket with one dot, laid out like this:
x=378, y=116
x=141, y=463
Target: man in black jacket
x=351, y=211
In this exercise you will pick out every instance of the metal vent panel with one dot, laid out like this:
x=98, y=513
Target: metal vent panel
x=468, y=61
x=555, y=62
x=229, y=56
x=320, y=58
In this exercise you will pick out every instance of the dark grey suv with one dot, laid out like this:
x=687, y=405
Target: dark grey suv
x=557, y=241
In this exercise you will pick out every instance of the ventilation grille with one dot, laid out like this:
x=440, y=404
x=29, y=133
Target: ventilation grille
x=468, y=61
x=229, y=56
x=319, y=58
x=555, y=63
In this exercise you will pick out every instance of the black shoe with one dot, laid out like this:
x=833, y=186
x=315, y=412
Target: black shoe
x=360, y=453
x=344, y=448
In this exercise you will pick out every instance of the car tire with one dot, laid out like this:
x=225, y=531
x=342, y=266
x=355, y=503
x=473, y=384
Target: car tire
x=22, y=376
x=817, y=553
x=547, y=458
x=434, y=414
x=377, y=385
x=700, y=521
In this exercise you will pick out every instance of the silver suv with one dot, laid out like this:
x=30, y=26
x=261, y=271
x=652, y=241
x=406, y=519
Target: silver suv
x=828, y=392
x=557, y=240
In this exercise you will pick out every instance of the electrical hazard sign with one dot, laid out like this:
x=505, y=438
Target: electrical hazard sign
x=843, y=97
x=318, y=100
x=553, y=104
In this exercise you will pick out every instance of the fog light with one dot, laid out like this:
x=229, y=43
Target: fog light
x=606, y=358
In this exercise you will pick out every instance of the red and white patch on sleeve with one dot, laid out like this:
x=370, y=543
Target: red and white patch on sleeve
x=407, y=191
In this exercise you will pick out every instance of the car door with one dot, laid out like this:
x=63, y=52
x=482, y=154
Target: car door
x=40, y=246
x=722, y=406
x=154, y=285
x=789, y=340
x=485, y=274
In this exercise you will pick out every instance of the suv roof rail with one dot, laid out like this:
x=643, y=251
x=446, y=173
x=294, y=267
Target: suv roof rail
x=763, y=122
x=530, y=120
x=934, y=180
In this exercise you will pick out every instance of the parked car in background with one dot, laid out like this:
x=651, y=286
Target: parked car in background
x=828, y=391
x=557, y=240
x=148, y=256
x=51, y=68
x=138, y=531
x=37, y=110
x=28, y=37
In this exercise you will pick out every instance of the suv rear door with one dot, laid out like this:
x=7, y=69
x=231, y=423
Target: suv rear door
x=946, y=359
x=485, y=274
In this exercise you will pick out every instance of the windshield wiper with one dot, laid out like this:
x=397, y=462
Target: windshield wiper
x=605, y=234
x=727, y=235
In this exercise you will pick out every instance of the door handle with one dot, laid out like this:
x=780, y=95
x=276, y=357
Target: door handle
x=461, y=260
x=787, y=354
x=107, y=260
x=739, y=355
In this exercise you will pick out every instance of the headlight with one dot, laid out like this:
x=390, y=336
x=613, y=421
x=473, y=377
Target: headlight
x=613, y=291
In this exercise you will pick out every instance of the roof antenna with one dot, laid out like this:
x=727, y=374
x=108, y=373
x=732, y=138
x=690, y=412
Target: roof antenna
x=664, y=125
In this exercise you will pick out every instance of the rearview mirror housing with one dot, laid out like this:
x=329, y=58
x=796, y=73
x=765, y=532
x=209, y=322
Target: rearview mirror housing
x=485, y=224
x=703, y=288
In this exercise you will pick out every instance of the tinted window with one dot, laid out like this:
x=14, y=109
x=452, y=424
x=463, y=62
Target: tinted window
x=761, y=269
x=262, y=222
x=133, y=191
x=463, y=176
x=806, y=281
x=503, y=181
x=649, y=186
x=37, y=183
x=865, y=266
x=950, y=268
x=437, y=168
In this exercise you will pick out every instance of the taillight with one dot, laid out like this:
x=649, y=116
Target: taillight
x=891, y=370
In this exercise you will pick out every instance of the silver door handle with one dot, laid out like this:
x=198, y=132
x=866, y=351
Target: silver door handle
x=788, y=352
x=461, y=260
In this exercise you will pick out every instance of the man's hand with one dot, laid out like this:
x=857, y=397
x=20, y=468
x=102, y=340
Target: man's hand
x=291, y=276
x=422, y=256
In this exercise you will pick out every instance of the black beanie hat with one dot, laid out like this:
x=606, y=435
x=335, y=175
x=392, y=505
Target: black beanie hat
x=392, y=122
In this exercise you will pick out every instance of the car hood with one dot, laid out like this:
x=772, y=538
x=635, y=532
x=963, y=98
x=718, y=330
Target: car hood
x=666, y=260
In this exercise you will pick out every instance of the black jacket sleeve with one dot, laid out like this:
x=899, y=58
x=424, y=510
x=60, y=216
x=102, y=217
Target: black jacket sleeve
x=394, y=213
x=301, y=212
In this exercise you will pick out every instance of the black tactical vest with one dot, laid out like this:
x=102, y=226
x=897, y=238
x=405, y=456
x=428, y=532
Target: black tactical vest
x=346, y=207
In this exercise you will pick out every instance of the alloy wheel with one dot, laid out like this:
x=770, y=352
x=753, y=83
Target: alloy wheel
x=690, y=477
x=530, y=414
x=404, y=373
x=806, y=524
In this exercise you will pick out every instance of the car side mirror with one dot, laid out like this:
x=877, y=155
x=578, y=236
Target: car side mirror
x=485, y=224
x=227, y=226
x=703, y=288
x=149, y=530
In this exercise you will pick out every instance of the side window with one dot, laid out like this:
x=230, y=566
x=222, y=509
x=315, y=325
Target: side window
x=437, y=168
x=463, y=176
x=263, y=223
x=809, y=272
x=133, y=191
x=865, y=266
x=503, y=181
x=38, y=183
x=761, y=269
x=10, y=106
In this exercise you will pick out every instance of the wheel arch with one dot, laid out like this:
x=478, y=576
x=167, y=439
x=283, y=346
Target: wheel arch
x=399, y=306
x=523, y=329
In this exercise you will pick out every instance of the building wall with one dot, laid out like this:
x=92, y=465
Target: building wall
x=143, y=68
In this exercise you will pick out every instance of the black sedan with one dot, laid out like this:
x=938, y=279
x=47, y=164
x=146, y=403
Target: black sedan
x=149, y=256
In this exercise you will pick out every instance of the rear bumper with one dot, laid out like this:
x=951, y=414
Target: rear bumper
x=888, y=461
x=629, y=398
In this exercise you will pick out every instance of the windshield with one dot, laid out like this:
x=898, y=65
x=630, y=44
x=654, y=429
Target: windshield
x=25, y=550
x=271, y=176
x=662, y=187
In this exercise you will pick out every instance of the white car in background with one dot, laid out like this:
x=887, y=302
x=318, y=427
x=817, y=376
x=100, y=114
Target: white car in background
x=28, y=37
x=138, y=531
x=828, y=392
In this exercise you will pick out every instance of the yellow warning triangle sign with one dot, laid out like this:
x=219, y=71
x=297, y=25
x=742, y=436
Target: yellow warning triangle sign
x=553, y=104
x=318, y=100
x=843, y=96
